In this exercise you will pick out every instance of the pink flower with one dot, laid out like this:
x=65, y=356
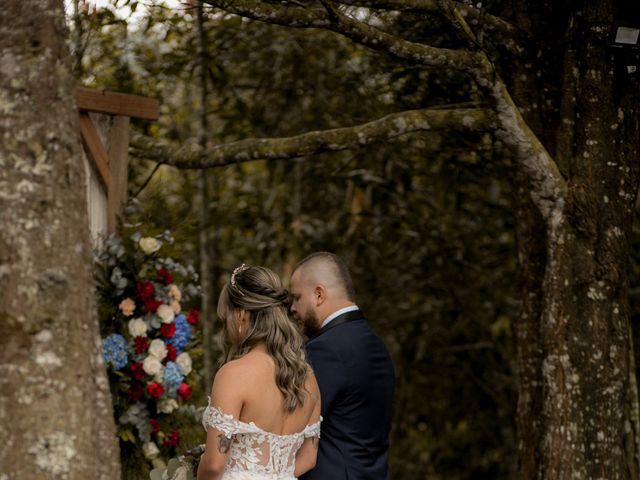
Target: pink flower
x=127, y=306
x=175, y=306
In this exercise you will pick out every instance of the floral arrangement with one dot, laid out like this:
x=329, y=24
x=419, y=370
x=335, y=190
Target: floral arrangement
x=183, y=467
x=149, y=341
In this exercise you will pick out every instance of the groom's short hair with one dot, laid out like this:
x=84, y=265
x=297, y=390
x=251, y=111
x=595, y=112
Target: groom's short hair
x=338, y=266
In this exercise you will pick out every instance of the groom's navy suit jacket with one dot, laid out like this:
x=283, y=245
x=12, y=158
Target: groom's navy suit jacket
x=356, y=379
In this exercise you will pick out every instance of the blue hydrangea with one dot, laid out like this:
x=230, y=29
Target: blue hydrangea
x=114, y=350
x=183, y=334
x=172, y=378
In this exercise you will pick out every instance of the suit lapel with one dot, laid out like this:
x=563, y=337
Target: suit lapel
x=339, y=320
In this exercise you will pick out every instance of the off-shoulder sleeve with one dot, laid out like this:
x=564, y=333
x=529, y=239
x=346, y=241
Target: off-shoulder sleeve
x=313, y=430
x=213, y=417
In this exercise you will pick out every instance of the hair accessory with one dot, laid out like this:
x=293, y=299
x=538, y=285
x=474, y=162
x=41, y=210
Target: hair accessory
x=237, y=270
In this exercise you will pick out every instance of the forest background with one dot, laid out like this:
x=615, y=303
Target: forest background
x=425, y=222
x=434, y=225
x=427, y=235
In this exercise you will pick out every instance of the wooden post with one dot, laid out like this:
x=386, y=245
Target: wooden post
x=110, y=162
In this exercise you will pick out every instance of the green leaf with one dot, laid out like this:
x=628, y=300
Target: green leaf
x=127, y=436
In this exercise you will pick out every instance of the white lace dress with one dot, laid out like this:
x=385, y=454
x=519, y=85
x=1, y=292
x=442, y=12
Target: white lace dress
x=256, y=454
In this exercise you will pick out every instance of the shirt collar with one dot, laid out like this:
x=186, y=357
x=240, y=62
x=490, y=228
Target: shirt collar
x=337, y=313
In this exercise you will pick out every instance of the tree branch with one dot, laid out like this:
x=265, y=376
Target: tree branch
x=476, y=17
x=474, y=63
x=548, y=186
x=383, y=129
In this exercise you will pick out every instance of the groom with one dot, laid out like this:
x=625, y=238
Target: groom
x=353, y=369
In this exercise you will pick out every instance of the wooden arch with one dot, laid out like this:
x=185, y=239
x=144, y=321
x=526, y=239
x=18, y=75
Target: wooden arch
x=104, y=125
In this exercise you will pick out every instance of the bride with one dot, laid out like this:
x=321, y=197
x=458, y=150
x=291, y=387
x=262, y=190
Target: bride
x=263, y=417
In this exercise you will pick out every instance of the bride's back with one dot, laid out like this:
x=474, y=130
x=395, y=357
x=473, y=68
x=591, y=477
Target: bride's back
x=264, y=412
x=262, y=401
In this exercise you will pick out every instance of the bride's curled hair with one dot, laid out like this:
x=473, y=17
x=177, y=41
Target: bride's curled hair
x=260, y=292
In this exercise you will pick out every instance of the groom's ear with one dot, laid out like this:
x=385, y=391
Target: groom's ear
x=320, y=294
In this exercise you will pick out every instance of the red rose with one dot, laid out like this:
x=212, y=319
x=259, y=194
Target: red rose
x=165, y=276
x=140, y=345
x=172, y=353
x=135, y=392
x=155, y=390
x=152, y=305
x=168, y=329
x=145, y=291
x=155, y=426
x=136, y=371
x=173, y=439
x=184, y=390
x=193, y=317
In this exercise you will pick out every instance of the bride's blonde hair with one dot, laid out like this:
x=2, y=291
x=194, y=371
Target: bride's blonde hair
x=260, y=292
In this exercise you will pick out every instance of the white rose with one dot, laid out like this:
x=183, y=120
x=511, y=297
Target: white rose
x=150, y=450
x=137, y=328
x=184, y=362
x=151, y=365
x=167, y=405
x=165, y=312
x=158, y=349
x=149, y=245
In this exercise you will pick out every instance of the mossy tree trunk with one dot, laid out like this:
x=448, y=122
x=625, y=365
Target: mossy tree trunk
x=578, y=407
x=55, y=408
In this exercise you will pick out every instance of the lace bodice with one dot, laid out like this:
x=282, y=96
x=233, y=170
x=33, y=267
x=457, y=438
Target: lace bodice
x=255, y=453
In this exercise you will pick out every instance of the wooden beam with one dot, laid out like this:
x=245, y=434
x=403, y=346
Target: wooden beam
x=113, y=103
x=97, y=152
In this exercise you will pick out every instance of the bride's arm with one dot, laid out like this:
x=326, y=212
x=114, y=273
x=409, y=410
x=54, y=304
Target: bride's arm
x=308, y=452
x=306, y=456
x=225, y=396
x=214, y=458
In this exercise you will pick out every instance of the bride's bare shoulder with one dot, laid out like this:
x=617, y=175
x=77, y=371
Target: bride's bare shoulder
x=237, y=368
x=233, y=374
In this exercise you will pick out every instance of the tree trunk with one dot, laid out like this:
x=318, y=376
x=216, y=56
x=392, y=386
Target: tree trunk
x=206, y=213
x=55, y=409
x=578, y=406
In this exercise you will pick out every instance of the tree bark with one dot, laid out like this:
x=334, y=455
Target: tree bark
x=251, y=149
x=205, y=213
x=578, y=413
x=55, y=410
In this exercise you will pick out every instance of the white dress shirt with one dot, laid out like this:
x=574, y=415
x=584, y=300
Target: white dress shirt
x=337, y=313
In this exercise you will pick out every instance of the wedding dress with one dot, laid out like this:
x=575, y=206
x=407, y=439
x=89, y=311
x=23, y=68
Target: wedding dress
x=256, y=454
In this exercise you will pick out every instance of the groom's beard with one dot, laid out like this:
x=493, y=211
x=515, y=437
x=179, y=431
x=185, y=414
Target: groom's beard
x=310, y=323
